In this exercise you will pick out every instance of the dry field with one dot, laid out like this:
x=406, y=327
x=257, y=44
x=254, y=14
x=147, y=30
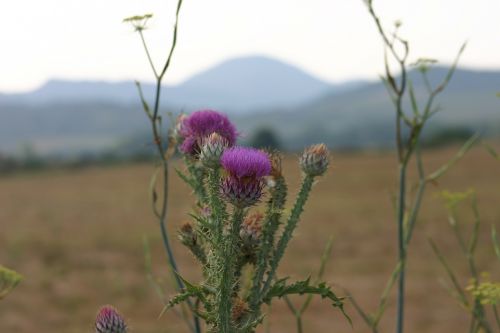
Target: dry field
x=77, y=237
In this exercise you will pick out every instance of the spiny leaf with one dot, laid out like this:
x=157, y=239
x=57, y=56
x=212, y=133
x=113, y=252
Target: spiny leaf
x=280, y=289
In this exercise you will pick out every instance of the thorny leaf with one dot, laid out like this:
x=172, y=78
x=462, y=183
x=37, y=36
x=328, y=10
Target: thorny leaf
x=280, y=289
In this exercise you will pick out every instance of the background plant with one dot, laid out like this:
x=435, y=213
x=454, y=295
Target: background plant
x=9, y=279
x=481, y=292
x=409, y=126
x=163, y=144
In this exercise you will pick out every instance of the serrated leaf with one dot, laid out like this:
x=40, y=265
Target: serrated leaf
x=280, y=289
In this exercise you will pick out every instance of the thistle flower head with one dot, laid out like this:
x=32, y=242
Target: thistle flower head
x=242, y=162
x=251, y=228
x=109, y=321
x=212, y=149
x=246, y=168
x=315, y=160
x=199, y=125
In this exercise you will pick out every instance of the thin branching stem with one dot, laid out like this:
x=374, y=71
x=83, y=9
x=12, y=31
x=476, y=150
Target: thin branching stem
x=163, y=152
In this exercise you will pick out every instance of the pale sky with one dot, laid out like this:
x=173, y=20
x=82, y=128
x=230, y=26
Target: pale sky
x=334, y=40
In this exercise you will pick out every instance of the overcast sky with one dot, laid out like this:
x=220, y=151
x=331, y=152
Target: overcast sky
x=334, y=40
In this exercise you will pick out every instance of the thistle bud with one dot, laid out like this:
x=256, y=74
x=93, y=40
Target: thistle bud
x=109, y=321
x=251, y=229
x=187, y=235
x=315, y=160
x=212, y=149
x=276, y=170
x=189, y=238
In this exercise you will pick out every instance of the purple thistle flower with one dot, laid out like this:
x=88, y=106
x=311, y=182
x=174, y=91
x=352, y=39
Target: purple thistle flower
x=246, y=168
x=109, y=321
x=199, y=125
x=242, y=162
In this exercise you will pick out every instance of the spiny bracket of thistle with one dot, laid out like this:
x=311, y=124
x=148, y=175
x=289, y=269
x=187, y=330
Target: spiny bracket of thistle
x=9, y=279
x=108, y=320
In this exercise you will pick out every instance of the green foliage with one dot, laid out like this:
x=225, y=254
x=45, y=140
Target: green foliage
x=9, y=279
x=281, y=289
x=481, y=293
x=488, y=293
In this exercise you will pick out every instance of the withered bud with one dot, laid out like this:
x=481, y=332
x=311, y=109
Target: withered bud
x=275, y=157
x=251, y=228
x=187, y=235
x=240, y=308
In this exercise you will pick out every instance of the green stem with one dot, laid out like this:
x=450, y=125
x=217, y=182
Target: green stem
x=297, y=210
x=224, y=324
x=497, y=317
x=271, y=224
x=401, y=247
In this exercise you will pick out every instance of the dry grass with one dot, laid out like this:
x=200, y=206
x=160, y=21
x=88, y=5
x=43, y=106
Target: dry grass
x=77, y=235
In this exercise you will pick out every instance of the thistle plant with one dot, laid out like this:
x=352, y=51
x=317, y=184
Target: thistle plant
x=230, y=233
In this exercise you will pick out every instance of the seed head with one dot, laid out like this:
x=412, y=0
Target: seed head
x=212, y=149
x=315, y=160
x=109, y=321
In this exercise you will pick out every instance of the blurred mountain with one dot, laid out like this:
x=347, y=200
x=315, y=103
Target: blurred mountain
x=364, y=116
x=74, y=117
x=240, y=84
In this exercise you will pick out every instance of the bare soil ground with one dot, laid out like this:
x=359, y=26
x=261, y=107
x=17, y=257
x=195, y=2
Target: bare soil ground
x=77, y=237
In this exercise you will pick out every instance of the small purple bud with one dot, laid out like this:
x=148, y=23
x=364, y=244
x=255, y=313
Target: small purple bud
x=109, y=321
x=315, y=160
